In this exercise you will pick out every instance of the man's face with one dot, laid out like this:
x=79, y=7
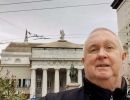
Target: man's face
x=103, y=57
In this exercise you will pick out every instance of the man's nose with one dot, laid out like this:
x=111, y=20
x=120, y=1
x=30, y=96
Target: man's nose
x=102, y=54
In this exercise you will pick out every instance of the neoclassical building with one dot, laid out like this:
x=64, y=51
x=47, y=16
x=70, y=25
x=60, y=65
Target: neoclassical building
x=123, y=16
x=42, y=68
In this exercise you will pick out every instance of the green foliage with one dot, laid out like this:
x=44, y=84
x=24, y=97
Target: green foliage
x=8, y=89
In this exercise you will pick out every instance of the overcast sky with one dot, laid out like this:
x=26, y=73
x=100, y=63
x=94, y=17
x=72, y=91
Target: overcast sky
x=47, y=17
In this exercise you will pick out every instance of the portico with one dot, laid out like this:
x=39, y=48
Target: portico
x=50, y=80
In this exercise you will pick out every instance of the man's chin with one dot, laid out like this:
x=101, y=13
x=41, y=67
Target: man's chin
x=104, y=76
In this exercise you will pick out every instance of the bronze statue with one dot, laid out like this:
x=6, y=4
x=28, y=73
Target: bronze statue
x=73, y=74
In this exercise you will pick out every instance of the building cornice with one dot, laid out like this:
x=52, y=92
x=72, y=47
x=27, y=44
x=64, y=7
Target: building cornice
x=15, y=65
x=53, y=59
x=116, y=3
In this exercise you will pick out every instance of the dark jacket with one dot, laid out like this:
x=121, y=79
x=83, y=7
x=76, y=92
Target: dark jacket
x=90, y=92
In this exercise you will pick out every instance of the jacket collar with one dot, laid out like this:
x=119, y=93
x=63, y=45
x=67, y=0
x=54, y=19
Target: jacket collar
x=94, y=92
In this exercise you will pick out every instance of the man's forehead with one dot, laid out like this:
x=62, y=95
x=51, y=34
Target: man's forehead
x=102, y=29
x=101, y=33
x=104, y=43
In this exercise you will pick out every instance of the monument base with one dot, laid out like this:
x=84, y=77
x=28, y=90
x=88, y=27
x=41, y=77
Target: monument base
x=72, y=86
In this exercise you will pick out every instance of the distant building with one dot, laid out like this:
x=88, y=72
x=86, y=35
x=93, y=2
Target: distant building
x=42, y=68
x=123, y=15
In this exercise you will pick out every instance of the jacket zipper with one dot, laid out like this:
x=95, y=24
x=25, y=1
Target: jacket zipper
x=111, y=98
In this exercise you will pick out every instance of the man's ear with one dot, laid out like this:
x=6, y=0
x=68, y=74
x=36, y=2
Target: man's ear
x=124, y=56
x=82, y=60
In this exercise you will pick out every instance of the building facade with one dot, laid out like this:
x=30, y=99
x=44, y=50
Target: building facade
x=123, y=17
x=42, y=68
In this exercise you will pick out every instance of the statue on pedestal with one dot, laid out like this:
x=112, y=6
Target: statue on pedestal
x=62, y=34
x=73, y=77
x=73, y=74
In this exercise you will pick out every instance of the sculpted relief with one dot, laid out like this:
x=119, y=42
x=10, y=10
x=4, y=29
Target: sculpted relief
x=57, y=53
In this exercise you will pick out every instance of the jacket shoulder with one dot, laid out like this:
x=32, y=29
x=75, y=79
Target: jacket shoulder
x=74, y=94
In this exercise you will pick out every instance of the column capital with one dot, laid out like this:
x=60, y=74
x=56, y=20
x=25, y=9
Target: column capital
x=80, y=68
x=57, y=68
x=44, y=68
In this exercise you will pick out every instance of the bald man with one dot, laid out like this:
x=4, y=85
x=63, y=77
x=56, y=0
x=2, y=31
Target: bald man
x=103, y=60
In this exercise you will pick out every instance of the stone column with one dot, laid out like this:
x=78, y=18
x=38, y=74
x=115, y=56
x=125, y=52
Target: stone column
x=68, y=76
x=80, y=77
x=56, y=87
x=21, y=83
x=44, y=82
x=33, y=83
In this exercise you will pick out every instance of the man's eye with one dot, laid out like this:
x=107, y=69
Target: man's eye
x=93, y=50
x=109, y=47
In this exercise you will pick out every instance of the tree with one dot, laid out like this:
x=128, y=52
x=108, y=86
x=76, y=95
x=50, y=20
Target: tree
x=8, y=89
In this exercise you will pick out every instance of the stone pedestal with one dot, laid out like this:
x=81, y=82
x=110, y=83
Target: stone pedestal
x=72, y=86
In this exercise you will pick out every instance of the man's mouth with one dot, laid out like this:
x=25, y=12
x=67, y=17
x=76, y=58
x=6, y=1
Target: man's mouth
x=103, y=65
